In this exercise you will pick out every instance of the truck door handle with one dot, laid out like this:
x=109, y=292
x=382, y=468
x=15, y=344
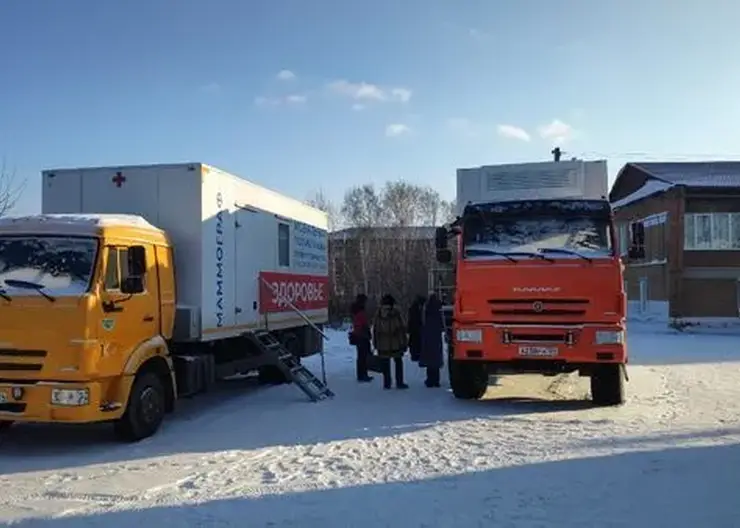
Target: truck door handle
x=148, y=318
x=110, y=306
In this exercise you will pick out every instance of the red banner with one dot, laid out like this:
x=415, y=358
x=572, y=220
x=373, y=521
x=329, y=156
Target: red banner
x=305, y=292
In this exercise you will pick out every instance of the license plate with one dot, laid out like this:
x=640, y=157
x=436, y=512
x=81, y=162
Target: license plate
x=3, y=396
x=538, y=351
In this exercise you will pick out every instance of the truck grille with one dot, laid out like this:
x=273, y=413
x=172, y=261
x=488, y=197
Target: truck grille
x=13, y=407
x=523, y=337
x=24, y=365
x=539, y=307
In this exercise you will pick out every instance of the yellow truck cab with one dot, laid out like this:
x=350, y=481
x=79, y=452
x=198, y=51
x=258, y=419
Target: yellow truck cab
x=87, y=306
x=142, y=284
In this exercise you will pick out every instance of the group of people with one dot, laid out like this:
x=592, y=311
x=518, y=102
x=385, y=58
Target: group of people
x=390, y=335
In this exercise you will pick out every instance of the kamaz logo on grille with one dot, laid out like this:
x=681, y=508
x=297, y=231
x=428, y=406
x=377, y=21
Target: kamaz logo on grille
x=536, y=289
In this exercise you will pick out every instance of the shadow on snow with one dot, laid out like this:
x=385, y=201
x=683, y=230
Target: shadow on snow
x=241, y=415
x=673, y=487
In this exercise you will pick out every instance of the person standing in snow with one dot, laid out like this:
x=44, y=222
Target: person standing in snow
x=360, y=337
x=432, y=352
x=390, y=340
x=414, y=322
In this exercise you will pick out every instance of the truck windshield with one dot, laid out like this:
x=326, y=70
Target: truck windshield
x=59, y=265
x=563, y=237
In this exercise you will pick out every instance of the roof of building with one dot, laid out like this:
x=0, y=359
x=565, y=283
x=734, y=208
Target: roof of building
x=695, y=174
x=650, y=188
x=666, y=175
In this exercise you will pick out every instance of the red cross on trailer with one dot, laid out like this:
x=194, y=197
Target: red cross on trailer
x=118, y=179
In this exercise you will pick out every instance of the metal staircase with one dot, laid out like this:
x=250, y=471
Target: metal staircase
x=315, y=388
x=291, y=367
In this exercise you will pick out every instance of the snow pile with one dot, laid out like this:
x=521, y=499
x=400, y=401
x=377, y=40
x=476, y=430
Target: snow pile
x=535, y=453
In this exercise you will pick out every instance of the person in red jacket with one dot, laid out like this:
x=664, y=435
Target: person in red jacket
x=360, y=337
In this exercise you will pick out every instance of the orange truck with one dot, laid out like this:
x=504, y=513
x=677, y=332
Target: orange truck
x=538, y=284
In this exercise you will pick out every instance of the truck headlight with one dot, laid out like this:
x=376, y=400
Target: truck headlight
x=470, y=336
x=70, y=397
x=609, y=337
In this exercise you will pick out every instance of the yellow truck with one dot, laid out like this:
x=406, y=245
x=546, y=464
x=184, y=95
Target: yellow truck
x=139, y=285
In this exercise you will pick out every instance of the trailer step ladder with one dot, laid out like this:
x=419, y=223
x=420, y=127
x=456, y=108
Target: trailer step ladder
x=291, y=366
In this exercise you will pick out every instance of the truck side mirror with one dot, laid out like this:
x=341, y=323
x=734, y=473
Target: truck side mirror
x=440, y=238
x=444, y=256
x=137, y=261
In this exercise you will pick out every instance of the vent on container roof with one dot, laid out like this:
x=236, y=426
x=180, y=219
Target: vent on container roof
x=538, y=179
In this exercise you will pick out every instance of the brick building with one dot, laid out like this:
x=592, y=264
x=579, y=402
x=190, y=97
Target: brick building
x=686, y=216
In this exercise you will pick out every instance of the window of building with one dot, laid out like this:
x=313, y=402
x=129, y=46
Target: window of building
x=721, y=230
x=703, y=231
x=283, y=244
x=712, y=231
x=637, y=232
x=735, y=231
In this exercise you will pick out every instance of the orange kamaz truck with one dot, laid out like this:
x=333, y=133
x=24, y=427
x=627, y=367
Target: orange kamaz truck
x=538, y=282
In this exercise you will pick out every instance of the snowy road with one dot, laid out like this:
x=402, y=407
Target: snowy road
x=533, y=454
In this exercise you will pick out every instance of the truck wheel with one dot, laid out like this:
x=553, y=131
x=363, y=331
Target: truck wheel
x=5, y=425
x=607, y=386
x=469, y=380
x=145, y=410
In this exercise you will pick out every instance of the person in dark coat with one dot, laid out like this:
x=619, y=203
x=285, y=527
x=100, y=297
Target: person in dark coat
x=390, y=340
x=414, y=322
x=360, y=337
x=432, y=352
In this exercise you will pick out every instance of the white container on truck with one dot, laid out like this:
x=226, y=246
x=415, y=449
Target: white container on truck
x=174, y=268
x=528, y=181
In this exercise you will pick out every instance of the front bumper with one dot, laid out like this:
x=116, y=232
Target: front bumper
x=574, y=344
x=56, y=402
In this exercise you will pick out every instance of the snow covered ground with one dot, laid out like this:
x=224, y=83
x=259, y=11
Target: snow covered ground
x=534, y=453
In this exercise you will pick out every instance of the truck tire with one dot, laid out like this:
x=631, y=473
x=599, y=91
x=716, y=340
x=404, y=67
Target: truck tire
x=607, y=386
x=5, y=425
x=145, y=409
x=469, y=380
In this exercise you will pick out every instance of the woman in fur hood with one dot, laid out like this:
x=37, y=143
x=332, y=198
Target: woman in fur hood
x=390, y=340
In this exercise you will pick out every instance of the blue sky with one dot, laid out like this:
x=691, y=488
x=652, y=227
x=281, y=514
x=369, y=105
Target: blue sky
x=407, y=89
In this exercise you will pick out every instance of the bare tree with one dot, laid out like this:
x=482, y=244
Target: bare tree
x=409, y=252
x=319, y=200
x=448, y=210
x=363, y=207
x=362, y=210
x=10, y=188
x=403, y=203
x=388, y=246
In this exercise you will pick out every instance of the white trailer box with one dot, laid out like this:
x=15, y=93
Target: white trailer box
x=227, y=233
x=522, y=181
